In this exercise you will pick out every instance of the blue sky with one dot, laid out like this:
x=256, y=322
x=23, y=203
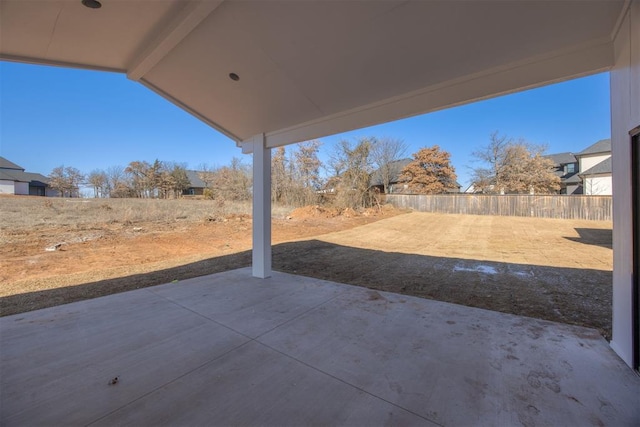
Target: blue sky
x=52, y=116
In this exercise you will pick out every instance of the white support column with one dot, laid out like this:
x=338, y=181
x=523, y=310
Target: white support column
x=261, y=208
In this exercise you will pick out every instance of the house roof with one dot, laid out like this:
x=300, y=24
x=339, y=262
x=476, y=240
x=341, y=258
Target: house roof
x=294, y=71
x=602, y=146
x=602, y=168
x=5, y=175
x=562, y=158
x=36, y=178
x=572, y=179
x=6, y=164
x=194, y=179
x=13, y=175
x=395, y=169
x=21, y=176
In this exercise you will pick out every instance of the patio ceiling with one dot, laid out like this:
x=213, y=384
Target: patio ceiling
x=313, y=68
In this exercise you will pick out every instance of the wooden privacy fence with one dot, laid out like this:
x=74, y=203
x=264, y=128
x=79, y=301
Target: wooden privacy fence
x=542, y=206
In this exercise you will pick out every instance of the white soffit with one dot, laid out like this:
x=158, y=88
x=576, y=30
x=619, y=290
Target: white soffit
x=313, y=68
x=67, y=33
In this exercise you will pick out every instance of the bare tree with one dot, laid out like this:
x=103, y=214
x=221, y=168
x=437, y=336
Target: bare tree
x=205, y=173
x=513, y=167
x=66, y=180
x=75, y=179
x=179, y=177
x=337, y=163
x=489, y=178
x=308, y=164
x=594, y=187
x=430, y=172
x=306, y=177
x=232, y=182
x=57, y=180
x=527, y=171
x=353, y=162
x=384, y=152
x=138, y=173
x=98, y=180
x=280, y=179
x=152, y=178
x=119, y=184
x=295, y=178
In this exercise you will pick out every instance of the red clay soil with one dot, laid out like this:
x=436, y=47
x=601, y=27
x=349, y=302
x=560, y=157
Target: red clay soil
x=557, y=270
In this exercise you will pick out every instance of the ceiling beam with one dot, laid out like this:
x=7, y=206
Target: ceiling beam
x=171, y=35
x=52, y=63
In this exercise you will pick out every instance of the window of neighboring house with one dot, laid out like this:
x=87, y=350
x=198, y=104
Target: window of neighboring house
x=571, y=168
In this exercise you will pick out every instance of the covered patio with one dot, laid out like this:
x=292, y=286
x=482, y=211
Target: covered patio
x=229, y=349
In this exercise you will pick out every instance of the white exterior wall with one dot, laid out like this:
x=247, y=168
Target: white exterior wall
x=587, y=162
x=598, y=186
x=625, y=115
x=7, y=187
x=22, y=188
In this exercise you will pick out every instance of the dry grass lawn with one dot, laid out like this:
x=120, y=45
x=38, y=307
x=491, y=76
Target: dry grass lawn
x=552, y=269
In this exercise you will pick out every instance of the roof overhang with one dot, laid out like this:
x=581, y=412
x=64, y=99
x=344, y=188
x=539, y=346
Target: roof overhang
x=314, y=68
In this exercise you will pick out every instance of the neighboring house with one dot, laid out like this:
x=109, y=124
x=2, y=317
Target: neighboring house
x=595, y=168
x=566, y=168
x=330, y=186
x=196, y=185
x=587, y=172
x=395, y=169
x=456, y=189
x=471, y=189
x=395, y=184
x=14, y=180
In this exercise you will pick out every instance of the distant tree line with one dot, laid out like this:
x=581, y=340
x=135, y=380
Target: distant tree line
x=296, y=178
x=138, y=179
x=299, y=177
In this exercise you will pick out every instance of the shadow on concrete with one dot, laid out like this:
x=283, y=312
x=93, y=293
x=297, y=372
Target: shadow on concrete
x=594, y=236
x=568, y=295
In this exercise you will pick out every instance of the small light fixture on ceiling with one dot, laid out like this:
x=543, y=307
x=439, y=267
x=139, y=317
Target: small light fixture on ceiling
x=234, y=77
x=92, y=4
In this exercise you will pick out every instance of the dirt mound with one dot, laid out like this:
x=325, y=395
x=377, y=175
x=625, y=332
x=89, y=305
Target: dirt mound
x=314, y=212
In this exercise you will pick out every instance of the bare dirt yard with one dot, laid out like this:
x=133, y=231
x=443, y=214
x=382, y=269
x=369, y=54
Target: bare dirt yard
x=558, y=270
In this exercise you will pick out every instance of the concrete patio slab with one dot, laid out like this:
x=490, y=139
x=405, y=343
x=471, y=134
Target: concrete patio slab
x=56, y=364
x=460, y=366
x=255, y=385
x=230, y=349
x=249, y=305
